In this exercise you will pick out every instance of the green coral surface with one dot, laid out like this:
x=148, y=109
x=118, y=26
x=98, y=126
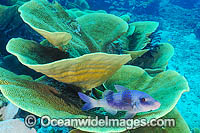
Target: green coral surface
x=86, y=51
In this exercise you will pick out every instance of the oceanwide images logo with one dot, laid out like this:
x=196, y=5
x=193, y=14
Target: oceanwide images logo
x=45, y=121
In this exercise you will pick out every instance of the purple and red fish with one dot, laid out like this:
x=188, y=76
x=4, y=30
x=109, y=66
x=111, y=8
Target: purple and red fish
x=132, y=101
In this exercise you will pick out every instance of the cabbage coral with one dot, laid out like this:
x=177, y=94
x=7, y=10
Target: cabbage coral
x=75, y=54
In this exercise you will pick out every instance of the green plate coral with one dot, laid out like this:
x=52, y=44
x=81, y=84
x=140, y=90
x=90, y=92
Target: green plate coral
x=84, y=53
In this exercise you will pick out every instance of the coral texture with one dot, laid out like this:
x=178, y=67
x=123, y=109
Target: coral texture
x=83, y=53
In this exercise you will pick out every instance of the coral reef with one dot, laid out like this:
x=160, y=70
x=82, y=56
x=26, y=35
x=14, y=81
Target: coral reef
x=151, y=85
x=104, y=28
x=196, y=130
x=69, y=70
x=11, y=25
x=12, y=2
x=12, y=64
x=83, y=52
x=75, y=12
x=9, y=21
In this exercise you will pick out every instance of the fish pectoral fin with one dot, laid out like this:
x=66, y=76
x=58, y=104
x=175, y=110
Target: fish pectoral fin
x=111, y=111
x=129, y=115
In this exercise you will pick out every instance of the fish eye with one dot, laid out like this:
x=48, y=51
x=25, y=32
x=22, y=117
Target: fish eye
x=143, y=99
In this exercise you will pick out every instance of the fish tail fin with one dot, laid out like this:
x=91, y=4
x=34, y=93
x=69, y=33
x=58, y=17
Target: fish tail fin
x=90, y=102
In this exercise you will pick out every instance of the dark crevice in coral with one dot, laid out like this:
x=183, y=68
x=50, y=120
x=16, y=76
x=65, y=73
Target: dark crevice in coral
x=132, y=39
x=12, y=26
x=22, y=114
x=155, y=39
x=67, y=92
x=146, y=59
x=12, y=64
x=114, y=48
x=54, y=54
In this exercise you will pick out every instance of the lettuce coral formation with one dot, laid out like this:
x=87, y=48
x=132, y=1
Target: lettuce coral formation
x=74, y=53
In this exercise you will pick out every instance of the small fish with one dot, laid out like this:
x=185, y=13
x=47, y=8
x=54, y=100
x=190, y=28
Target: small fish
x=132, y=101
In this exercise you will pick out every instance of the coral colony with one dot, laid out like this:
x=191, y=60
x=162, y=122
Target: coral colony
x=88, y=57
